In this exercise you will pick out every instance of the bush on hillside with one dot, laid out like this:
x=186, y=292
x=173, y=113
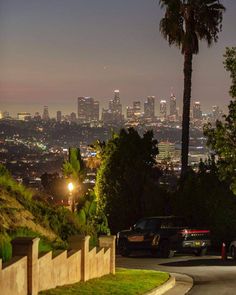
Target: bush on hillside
x=5, y=247
x=44, y=244
x=63, y=222
x=90, y=223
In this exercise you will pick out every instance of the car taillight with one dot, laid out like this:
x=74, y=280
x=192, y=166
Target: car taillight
x=193, y=231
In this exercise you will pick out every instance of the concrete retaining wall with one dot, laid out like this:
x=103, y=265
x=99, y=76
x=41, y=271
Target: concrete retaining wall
x=65, y=268
x=13, y=277
x=27, y=274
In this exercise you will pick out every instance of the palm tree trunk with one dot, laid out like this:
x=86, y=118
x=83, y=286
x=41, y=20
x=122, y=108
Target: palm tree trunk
x=188, y=56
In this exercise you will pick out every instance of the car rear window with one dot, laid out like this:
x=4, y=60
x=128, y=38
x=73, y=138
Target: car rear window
x=173, y=222
x=141, y=224
x=153, y=224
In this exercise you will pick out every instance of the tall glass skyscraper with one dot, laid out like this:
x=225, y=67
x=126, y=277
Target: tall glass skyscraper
x=88, y=109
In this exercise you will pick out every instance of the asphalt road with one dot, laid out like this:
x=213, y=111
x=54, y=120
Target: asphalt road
x=210, y=274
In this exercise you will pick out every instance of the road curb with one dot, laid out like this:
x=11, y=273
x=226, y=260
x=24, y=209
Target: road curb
x=163, y=288
x=183, y=284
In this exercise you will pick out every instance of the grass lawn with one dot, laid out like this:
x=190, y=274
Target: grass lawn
x=125, y=282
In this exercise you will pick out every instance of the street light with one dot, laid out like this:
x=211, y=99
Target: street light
x=71, y=197
x=70, y=187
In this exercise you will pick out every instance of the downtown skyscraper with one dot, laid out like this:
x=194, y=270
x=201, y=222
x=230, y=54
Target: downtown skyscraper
x=149, y=107
x=113, y=115
x=197, y=113
x=173, y=106
x=163, y=109
x=115, y=105
x=45, y=115
x=134, y=112
x=88, y=110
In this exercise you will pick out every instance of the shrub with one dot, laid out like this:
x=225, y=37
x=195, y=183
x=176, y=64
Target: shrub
x=5, y=247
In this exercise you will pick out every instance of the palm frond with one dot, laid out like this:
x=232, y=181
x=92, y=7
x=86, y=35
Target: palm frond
x=186, y=22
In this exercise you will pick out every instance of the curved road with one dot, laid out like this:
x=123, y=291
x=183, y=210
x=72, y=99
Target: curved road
x=211, y=275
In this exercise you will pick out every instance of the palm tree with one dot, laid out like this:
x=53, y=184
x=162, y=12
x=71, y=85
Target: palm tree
x=185, y=23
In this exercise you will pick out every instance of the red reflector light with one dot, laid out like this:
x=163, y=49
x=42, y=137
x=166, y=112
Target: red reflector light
x=193, y=231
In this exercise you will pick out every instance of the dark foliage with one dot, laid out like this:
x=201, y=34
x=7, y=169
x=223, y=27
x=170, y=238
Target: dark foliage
x=126, y=184
x=222, y=138
x=207, y=202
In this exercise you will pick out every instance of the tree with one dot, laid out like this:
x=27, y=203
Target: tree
x=222, y=138
x=207, y=202
x=185, y=23
x=90, y=223
x=127, y=167
x=74, y=170
x=74, y=167
x=93, y=163
x=54, y=185
x=230, y=66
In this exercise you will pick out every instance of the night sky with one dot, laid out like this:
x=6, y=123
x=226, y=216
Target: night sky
x=53, y=51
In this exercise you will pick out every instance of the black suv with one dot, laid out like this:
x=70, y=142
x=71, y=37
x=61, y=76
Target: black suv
x=163, y=236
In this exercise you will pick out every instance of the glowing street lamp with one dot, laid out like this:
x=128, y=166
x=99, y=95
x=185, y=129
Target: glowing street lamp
x=70, y=187
x=71, y=197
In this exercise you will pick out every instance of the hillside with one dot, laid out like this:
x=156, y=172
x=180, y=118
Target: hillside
x=22, y=215
x=13, y=215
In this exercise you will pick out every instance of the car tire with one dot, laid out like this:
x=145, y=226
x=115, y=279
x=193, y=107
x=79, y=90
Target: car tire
x=233, y=252
x=123, y=248
x=201, y=252
x=165, y=251
x=154, y=253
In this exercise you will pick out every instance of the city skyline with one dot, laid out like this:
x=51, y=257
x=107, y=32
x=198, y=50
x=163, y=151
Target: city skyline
x=74, y=52
x=89, y=109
